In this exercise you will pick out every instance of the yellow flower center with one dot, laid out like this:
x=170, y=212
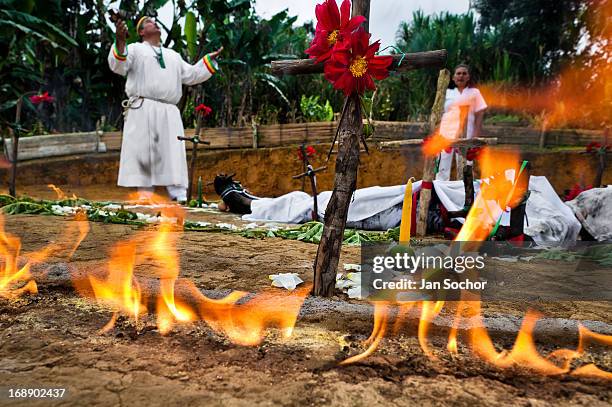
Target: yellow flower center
x=333, y=37
x=359, y=67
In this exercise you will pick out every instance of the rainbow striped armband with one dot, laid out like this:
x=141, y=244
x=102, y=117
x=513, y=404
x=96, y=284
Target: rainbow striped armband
x=211, y=65
x=119, y=56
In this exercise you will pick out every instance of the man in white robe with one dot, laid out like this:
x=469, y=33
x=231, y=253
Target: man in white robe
x=151, y=154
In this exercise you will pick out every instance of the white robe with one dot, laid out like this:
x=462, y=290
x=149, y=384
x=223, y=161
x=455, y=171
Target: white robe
x=151, y=154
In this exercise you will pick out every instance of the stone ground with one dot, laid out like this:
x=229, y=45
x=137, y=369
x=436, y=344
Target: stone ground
x=53, y=340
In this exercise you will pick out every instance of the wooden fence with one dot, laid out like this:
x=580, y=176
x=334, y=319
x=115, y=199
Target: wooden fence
x=292, y=134
x=287, y=134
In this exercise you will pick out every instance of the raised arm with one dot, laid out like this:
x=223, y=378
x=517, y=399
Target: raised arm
x=118, y=57
x=201, y=71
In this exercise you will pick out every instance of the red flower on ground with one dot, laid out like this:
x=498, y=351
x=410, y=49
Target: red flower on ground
x=333, y=26
x=353, y=68
x=44, y=98
x=205, y=110
x=310, y=152
x=595, y=147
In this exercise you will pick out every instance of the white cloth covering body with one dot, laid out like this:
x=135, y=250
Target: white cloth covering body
x=593, y=208
x=451, y=123
x=151, y=154
x=547, y=220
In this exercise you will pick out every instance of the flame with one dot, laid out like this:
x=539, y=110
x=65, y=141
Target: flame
x=66, y=245
x=502, y=188
x=381, y=316
x=120, y=291
x=246, y=323
x=433, y=145
x=524, y=352
x=244, y=320
x=429, y=311
x=60, y=194
x=498, y=193
x=15, y=281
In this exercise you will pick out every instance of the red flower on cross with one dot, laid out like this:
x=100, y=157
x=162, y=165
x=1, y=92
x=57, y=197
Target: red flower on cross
x=202, y=108
x=44, y=98
x=333, y=26
x=354, y=68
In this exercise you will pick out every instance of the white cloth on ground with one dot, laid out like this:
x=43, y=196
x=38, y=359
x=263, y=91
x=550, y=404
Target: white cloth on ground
x=151, y=154
x=296, y=207
x=548, y=219
x=593, y=208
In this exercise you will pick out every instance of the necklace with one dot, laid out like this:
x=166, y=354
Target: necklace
x=160, y=56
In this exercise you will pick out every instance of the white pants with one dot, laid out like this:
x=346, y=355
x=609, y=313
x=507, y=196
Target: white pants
x=446, y=163
x=176, y=192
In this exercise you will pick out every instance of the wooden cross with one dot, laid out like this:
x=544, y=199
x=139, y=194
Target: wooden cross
x=195, y=140
x=312, y=174
x=350, y=132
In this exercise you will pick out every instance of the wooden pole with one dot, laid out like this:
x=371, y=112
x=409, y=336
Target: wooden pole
x=461, y=161
x=429, y=168
x=336, y=213
x=194, y=157
x=362, y=8
x=350, y=132
x=15, y=135
x=412, y=61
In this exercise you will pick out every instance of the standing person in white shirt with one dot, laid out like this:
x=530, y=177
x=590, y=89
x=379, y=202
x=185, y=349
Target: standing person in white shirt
x=151, y=154
x=464, y=94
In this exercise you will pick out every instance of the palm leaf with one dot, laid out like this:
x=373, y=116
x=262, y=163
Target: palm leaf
x=191, y=34
x=29, y=20
x=29, y=31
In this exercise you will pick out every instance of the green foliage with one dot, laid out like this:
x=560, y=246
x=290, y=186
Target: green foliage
x=504, y=119
x=191, y=34
x=313, y=111
x=541, y=34
x=312, y=232
x=62, y=46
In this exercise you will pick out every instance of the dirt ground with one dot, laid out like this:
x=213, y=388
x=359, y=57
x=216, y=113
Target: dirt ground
x=53, y=340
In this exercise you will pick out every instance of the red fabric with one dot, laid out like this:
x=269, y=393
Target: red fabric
x=473, y=153
x=413, y=215
x=517, y=240
x=427, y=185
x=575, y=191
